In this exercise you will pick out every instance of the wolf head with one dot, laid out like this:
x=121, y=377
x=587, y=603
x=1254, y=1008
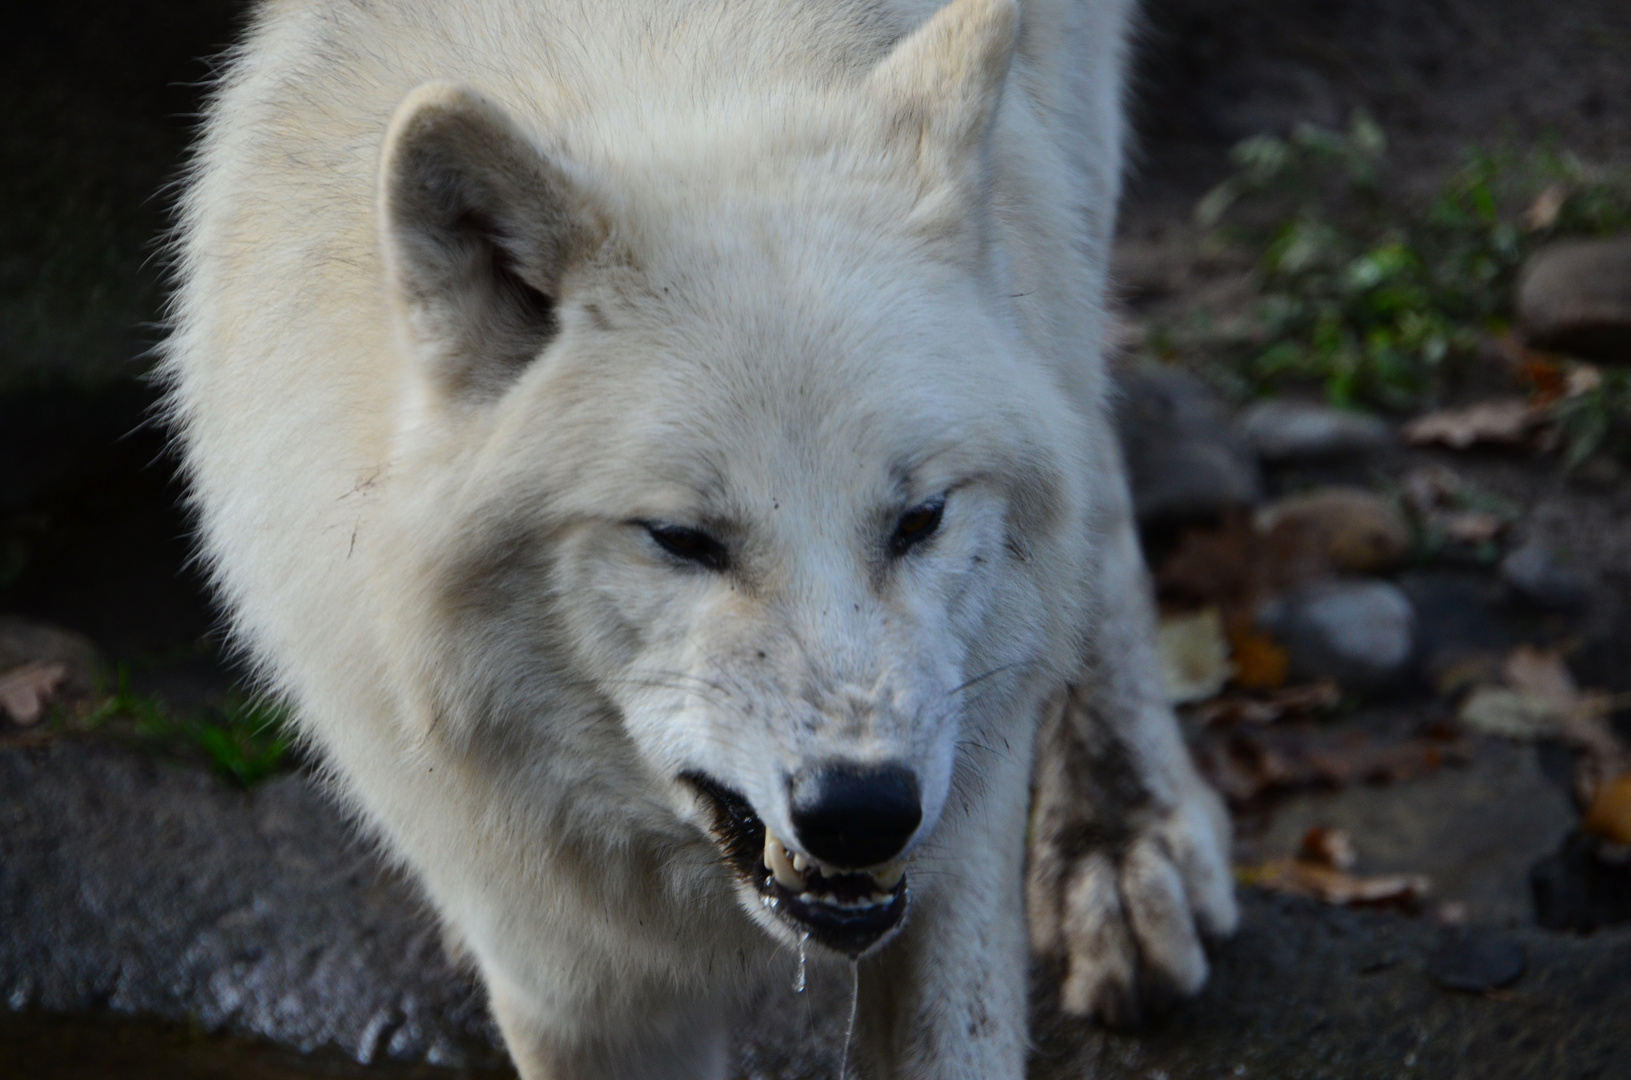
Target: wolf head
x=729, y=453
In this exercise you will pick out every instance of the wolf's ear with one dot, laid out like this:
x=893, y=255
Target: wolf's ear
x=478, y=228
x=942, y=82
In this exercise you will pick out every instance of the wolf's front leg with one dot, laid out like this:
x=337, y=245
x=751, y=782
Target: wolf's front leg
x=1129, y=848
x=947, y=999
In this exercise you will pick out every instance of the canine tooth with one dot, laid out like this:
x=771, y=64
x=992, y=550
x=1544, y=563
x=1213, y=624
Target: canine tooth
x=779, y=865
x=889, y=876
x=800, y=863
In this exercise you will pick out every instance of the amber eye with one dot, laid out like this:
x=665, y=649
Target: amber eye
x=916, y=526
x=689, y=545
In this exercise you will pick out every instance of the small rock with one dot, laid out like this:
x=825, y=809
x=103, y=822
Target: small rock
x=1183, y=461
x=1577, y=890
x=1351, y=528
x=1360, y=633
x=1477, y=963
x=1286, y=430
x=1575, y=297
x=1534, y=572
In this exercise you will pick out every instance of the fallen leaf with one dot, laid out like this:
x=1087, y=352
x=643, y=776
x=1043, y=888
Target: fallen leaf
x=1328, y=847
x=1501, y=421
x=1609, y=814
x=1285, y=703
x=1541, y=672
x=1546, y=376
x=1582, y=379
x=1299, y=877
x=1260, y=663
x=1249, y=764
x=26, y=690
x=1466, y=526
x=1512, y=714
x=1542, y=213
x=1194, y=656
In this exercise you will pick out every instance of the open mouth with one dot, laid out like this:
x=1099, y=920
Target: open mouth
x=848, y=911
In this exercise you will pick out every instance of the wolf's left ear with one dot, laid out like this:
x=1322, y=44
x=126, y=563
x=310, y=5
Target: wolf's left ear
x=479, y=228
x=941, y=83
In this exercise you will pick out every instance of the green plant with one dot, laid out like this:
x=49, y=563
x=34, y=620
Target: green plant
x=1372, y=295
x=247, y=738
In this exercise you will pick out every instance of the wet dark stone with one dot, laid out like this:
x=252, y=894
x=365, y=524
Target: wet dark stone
x=1576, y=890
x=1183, y=460
x=1477, y=963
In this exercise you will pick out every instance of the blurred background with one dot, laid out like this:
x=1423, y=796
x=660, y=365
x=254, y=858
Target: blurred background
x=1372, y=324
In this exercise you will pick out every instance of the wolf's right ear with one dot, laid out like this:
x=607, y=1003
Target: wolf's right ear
x=478, y=227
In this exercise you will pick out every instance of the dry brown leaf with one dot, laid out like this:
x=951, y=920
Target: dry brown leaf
x=1505, y=420
x=26, y=690
x=1300, y=877
x=1285, y=703
x=1260, y=663
x=1609, y=814
x=1328, y=847
x=1249, y=764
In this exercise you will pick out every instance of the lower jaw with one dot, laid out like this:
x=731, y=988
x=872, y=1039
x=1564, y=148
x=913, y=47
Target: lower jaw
x=850, y=931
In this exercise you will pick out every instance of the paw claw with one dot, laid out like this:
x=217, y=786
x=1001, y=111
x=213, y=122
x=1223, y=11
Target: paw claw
x=1130, y=922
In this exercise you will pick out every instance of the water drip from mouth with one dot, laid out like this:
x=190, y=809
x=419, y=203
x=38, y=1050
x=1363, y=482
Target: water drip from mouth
x=798, y=980
x=849, y=1029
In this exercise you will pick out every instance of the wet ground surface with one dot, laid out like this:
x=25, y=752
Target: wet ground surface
x=174, y=925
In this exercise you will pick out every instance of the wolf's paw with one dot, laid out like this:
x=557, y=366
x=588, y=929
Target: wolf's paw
x=1128, y=919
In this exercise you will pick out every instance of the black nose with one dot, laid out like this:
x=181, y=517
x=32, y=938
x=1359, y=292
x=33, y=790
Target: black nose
x=855, y=816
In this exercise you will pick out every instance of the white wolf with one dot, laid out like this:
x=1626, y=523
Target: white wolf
x=660, y=448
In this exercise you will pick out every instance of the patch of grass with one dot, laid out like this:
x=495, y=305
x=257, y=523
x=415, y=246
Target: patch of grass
x=247, y=738
x=1375, y=296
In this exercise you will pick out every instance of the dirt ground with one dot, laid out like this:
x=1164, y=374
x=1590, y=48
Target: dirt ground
x=98, y=99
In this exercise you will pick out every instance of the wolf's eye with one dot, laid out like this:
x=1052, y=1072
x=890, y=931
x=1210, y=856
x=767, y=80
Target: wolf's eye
x=692, y=545
x=916, y=526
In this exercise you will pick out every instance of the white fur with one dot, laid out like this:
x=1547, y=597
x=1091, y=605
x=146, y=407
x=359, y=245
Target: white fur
x=820, y=269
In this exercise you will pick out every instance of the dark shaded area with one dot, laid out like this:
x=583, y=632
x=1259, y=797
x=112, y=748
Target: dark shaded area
x=1437, y=74
x=98, y=99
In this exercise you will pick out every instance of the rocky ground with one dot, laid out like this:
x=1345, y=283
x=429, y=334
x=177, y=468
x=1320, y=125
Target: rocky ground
x=1401, y=637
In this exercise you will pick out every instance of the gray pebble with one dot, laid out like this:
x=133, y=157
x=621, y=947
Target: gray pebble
x=1534, y=572
x=1286, y=430
x=1360, y=633
x=1183, y=461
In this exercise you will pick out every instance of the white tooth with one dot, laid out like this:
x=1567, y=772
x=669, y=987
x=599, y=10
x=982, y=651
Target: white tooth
x=779, y=865
x=800, y=863
x=889, y=876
